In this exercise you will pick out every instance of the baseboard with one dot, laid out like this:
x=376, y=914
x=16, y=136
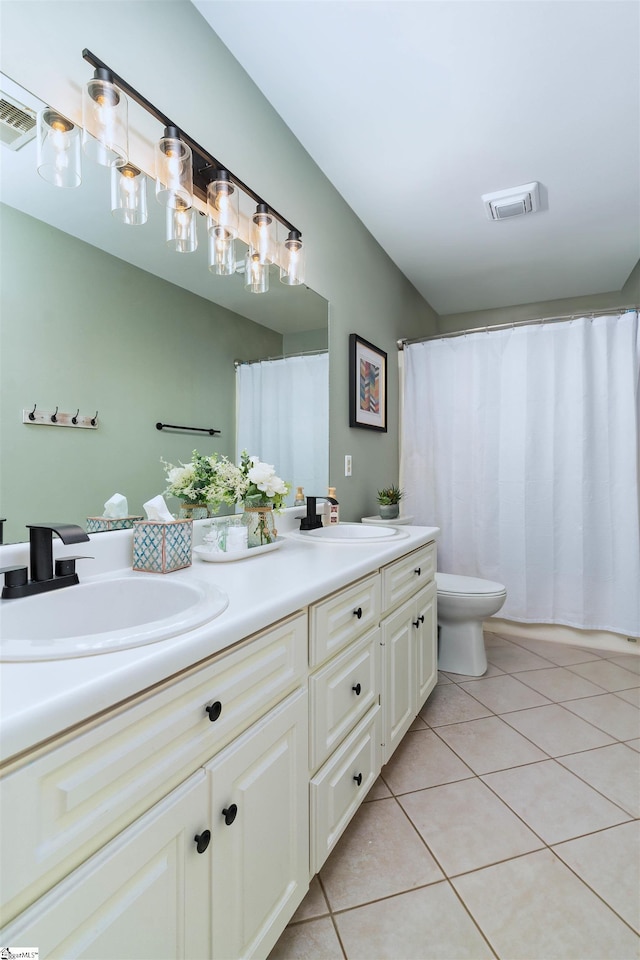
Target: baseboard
x=557, y=633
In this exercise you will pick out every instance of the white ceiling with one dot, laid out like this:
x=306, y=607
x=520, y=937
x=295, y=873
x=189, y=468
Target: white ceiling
x=415, y=108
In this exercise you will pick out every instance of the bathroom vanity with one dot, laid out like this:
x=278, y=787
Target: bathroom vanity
x=174, y=800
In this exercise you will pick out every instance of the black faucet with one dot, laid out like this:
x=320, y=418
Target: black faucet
x=312, y=521
x=43, y=577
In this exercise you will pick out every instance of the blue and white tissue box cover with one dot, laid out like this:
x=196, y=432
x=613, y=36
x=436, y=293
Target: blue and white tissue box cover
x=100, y=524
x=161, y=546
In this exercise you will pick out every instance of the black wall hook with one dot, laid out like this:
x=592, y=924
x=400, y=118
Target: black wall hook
x=32, y=415
x=75, y=419
x=54, y=416
x=94, y=420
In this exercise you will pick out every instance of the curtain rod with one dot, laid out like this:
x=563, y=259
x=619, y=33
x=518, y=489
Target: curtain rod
x=281, y=356
x=401, y=344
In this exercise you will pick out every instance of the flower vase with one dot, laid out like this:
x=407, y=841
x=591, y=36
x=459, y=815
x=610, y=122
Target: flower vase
x=193, y=511
x=260, y=525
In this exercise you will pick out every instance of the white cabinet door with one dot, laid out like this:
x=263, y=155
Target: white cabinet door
x=409, y=655
x=399, y=688
x=426, y=643
x=260, y=831
x=144, y=896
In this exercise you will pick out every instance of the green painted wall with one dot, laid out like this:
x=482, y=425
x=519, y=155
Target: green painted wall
x=79, y=328
x=629, y=295
x=308, y=340
x=221, y=108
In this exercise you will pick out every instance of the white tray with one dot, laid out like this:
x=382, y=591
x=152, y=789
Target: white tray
x=398, y=522
x=210, y=556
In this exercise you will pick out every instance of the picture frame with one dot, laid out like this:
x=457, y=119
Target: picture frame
x=367, y=385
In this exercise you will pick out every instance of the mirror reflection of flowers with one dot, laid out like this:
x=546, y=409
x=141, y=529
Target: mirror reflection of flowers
x=212, y=480
x=264, y=488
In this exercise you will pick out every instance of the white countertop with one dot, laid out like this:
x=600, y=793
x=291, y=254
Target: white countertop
x=42, y=698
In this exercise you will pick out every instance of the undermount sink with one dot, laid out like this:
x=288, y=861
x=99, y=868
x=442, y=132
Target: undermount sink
x=350, y=533
x=104, y=616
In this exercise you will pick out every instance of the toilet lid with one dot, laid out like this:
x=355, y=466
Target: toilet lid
x=453, y=583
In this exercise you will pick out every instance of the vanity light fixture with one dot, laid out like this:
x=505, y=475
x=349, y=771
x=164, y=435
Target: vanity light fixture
x=105, y=134
x=256, y=274
x=222, y=253
x=181, y=232
x=58, y=149
x=188, y=177
x=222, y=223
x=129, y=194
x=262, y=240
x=174, y=170
x=292, y=260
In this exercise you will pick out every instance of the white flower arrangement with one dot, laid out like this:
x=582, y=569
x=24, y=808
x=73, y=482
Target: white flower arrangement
x=215, y=480
x=264, y=487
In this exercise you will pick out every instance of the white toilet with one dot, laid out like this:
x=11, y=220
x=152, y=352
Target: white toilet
x=463, y=603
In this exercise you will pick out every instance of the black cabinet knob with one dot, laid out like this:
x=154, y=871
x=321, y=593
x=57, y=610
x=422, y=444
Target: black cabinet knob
x=202, y=840
x=229, y=814
x=417, y=570
x=357, y=689
x=358, y=778
x=214, y=710
x=420, y=620
x=358, y=613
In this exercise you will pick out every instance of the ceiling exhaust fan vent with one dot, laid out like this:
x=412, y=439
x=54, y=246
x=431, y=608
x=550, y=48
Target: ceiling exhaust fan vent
x=514, y=202
x=17, y=122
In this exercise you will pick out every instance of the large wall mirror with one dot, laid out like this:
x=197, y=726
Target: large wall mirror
x=103, y=318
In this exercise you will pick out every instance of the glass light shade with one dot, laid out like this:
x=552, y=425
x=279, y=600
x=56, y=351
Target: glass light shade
x=129, y=195
x=256, y=274
x=292, y=261
x=105, y=134
x=182, y=234
x=174, y=172
x=58, y=149
x=222, y=253
x=222, y=205
x=262, y=234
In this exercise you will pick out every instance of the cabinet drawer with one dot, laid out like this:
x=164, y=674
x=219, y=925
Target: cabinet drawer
x=400, y=580
x=342, y=618
x=341, y=784
x=63, y=806
x=340, y=693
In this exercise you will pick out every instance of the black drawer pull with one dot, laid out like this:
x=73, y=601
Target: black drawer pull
x=358, y=778
x=214, y=710
x=357, y=689
x=358, y=613
x=202, y=840
x=229, y=814
x=417, y=570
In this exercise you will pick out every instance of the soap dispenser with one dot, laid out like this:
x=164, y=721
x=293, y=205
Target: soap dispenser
x=334, y=508
x=300, y=499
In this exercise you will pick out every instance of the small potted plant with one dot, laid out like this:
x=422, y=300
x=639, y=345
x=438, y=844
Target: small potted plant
x=389, y=499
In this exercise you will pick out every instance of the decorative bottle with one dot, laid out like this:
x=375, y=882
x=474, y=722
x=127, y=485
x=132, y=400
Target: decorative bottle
x=334, y=508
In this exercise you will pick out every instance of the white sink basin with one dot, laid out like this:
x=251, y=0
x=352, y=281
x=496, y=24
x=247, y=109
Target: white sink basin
x=103, y=616
x=350, y=533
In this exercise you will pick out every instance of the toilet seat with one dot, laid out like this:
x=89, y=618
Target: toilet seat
x=454, y=585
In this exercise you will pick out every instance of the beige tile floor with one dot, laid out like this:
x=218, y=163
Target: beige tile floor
x=504, y=826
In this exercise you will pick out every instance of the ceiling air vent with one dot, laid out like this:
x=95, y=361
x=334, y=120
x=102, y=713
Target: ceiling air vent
x=17, y=122
x=514, y=202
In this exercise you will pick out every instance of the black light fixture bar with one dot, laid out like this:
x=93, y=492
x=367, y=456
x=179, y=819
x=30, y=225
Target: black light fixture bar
x=204, y=163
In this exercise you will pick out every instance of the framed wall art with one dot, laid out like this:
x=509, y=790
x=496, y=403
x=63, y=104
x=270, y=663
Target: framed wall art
x=367, y=385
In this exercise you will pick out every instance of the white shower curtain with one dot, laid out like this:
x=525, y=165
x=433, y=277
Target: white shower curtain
x=283, y=418
x=523, y=446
